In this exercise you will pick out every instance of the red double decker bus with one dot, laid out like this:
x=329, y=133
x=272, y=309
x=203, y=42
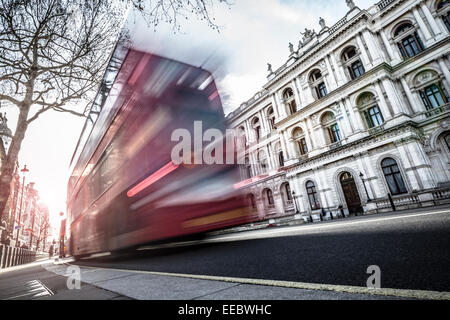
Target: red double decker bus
x=124, y=189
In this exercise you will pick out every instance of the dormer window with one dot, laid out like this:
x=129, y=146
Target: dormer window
x=408, y=40
x=351, y=59
x=317, y=82
x=289, y=100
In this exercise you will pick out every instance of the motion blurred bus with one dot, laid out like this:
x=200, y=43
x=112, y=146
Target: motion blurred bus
x=124, y=189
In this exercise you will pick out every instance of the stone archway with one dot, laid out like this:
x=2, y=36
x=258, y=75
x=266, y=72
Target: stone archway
x=351, y=194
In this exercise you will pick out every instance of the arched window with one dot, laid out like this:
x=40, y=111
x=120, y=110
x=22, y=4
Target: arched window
x=313, y=197
x=318, y=84
x=443, y=9
x=329, y=123
x=299, y=138
x=434, y=96
x=352, y=61
x=408, y=40
x=287, y=188
x=393, y=176
x=367, y=105
x=257, y=128
x=289, y=99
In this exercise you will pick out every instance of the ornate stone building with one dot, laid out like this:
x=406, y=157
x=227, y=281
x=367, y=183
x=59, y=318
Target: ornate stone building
x=356, y=120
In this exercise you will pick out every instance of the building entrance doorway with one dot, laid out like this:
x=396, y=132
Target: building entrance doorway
x=351, y=193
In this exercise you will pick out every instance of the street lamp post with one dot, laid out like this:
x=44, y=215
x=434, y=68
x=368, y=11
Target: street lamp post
x=361, y=175
x=24, y=171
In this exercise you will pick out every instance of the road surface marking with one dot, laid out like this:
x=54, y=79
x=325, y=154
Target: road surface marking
x=399, y=293
x=259, y=234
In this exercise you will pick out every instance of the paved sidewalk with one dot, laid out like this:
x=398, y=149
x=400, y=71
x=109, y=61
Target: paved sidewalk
x=152, y=286
x=34, y=282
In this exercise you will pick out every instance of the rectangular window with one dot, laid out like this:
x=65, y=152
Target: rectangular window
x=303, y=146
x=321, y=90
x=411, y=46
x=433, y=96
x=357, y=70
x=335, y=133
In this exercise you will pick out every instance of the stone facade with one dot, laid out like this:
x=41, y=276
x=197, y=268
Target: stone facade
x=356, y=120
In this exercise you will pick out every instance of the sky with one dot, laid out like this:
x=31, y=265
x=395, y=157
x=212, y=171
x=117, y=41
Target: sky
x=253, y=33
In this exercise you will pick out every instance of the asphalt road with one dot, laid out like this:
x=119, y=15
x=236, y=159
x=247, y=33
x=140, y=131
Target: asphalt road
x=411, y=249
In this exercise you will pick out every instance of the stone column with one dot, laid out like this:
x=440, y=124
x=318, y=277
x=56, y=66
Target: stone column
x=282, y=106
x=298, y=101
x=434, y=27
x=293, y=149
x=416, y=103
x=311, y=134
x=407, y=165
x=395, y=56
x=374, y=47
x=364, y=56
x=271, y=161
x=348, y=130
x=422, y=163
x=307, y=135
x=324, y=201
x=309, y=96
x=250, y=133
x=276, y=107
x=393, y=97
x=301, y=93
x=333, y=83
x=371, y=177
x=444, y=69
x=264, y=125
x=383, y=104
x=299, y=194
x=289, y=153
x=341, y=78
x=323, y=136
x=422, y=25
x=355, y=116
x=283, y=146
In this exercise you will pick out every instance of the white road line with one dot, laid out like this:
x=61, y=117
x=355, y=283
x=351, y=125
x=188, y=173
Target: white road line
x=340, y=224
x=399, y=293
x=258, y=234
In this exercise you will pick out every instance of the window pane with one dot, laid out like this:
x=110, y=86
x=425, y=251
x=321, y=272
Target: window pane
x=434, y=96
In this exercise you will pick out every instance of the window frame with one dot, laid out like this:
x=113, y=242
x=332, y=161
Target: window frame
x=406, y=31
x=396, y=174
x=313, y=198
x=426, y=97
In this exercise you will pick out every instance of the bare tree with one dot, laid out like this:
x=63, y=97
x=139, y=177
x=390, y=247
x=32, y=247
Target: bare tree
x=53, y=54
